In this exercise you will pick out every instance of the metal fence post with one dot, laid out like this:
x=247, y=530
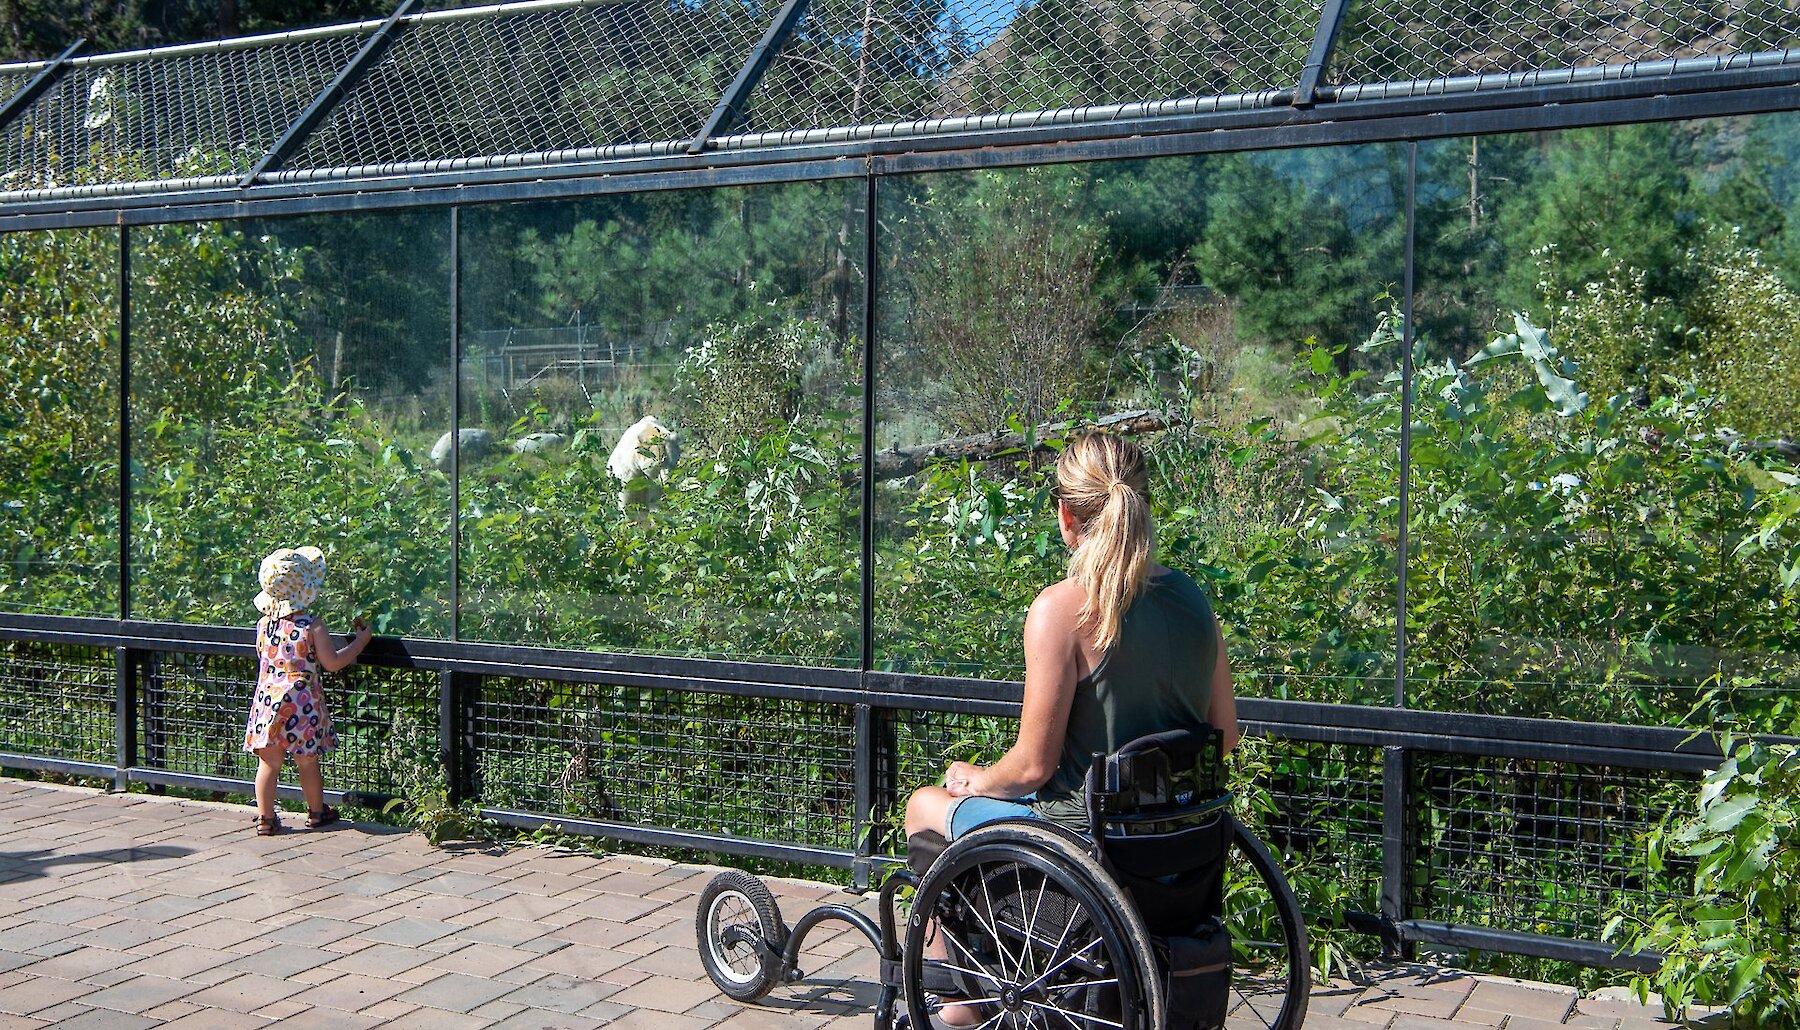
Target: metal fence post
x=450, y=722
x=125, y=720
x=863, y=825
x=1396, y=845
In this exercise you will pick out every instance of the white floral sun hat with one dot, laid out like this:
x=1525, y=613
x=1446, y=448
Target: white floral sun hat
x=291, y=579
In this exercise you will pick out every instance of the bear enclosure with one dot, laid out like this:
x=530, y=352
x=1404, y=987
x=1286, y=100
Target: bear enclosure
x=1464, y=336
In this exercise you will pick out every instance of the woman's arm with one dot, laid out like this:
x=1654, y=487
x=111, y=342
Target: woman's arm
x=334, y=658
x=1221, y=713
x=1052, y=668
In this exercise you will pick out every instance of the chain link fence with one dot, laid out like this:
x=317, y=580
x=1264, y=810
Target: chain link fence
x=572, y=80
x=1421, y=41
x=205, y=113
x=564, y=80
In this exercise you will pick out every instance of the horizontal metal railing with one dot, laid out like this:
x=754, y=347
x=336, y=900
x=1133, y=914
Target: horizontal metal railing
x=1403, y=811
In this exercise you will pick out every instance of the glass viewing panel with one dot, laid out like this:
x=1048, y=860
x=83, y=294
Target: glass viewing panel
x=289, y=381
x=59, y=422
x=1608, y=375
x=1244, y=298
x=660, y=429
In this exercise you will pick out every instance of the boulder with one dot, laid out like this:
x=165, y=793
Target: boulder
x=473, y=443
x=536, y=442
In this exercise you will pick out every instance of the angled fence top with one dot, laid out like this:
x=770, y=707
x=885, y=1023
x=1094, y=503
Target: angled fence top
x=555, y=81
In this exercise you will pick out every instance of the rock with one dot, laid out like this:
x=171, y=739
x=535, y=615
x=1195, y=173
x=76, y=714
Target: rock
x=536, y=442
x=473, y=443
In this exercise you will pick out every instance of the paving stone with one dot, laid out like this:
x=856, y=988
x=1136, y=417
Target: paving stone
x=456, y=992
x=774, y=1019
x=408, y=932
x=217, y=1019
x=480, y=960
x=665, y=994
x=562, y=993
x=647, y=1019
x=329, y=1019
x=434, y=1019
x=314, y=931
x=247, y=993
x=543, y=1019
x=352, y=992
x=104, y=1019
x=380, y=960
x=39, y=993
x=81, y=963
x=1516, y=999
x=141, y=993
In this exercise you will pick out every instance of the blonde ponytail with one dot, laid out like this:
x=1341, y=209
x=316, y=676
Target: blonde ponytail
x=1103, y=481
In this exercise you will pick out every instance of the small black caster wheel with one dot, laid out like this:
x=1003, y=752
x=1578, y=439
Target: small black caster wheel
x=741, y=935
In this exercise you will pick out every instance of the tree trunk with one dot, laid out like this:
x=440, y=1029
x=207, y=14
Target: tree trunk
x=900, y=462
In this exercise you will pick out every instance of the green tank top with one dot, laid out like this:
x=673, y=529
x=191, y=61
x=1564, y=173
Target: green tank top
x=1157, y=676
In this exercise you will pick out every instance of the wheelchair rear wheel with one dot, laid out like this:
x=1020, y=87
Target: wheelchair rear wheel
x=1271, y=958
x=1036, y=932
x=741, y=935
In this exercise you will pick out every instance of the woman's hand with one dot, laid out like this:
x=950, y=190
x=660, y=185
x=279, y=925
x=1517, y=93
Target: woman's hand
x=960, y=779
x=361, y=628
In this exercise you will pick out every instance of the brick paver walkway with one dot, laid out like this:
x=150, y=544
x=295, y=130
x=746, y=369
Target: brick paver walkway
x=129, y=911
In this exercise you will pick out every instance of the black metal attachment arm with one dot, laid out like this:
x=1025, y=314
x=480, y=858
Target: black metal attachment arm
x=340, y=87
x=732, y=103
x=43, y=80
x=1331, y=19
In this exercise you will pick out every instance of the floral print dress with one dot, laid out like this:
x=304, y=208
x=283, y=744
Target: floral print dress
x=290, y=701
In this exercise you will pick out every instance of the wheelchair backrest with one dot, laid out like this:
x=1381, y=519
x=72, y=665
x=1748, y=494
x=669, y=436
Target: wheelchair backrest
x=1159, y=813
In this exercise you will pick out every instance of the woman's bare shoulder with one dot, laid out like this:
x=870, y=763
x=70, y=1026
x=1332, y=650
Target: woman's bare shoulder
x=1058, y=604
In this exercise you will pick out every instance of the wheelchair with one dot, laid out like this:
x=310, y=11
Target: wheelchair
x=1168, y=915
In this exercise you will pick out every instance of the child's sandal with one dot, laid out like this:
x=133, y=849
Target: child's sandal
x=268, y=826
x=314, y=820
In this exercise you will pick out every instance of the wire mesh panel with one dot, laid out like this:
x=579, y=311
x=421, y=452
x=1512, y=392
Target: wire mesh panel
x=1318, y=807
x=597, y=75
x=192, y=711
x=57, y=700
x=1400, y=40
x=14, y=78
x=190, y=112
x=1538, y=847
x=758, y=768
x=852, y=62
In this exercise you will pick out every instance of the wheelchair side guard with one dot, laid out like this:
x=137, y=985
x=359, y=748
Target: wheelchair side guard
x=922, y=849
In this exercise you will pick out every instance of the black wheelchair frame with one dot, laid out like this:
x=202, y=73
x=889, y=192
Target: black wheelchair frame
x=1008, y=897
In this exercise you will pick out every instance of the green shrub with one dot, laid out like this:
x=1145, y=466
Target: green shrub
x=1733, y=942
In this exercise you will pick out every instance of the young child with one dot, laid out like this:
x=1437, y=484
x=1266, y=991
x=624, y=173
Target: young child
x=289, y=716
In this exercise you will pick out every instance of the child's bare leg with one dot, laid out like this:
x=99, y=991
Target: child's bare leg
x=268, y=777
x=312, y=782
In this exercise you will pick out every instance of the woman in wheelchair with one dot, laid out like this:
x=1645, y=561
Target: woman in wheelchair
x=1094, y=875
x=1121, y=649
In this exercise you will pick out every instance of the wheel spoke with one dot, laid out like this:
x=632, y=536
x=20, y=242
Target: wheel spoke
x=984, y=972
x=993, y=922
x=987, y=925
x=1077, y=1015
x=1052, y=971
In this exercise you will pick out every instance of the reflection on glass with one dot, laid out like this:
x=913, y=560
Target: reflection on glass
x=288, y=383
x=59, y=422
x=1241, y=303
x=660, y=430
x=1609, y=373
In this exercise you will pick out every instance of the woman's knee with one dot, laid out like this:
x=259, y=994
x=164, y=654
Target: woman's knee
x=307, y=761
x=926, y=809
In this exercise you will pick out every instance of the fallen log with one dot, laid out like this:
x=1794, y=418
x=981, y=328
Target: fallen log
x=899, y=462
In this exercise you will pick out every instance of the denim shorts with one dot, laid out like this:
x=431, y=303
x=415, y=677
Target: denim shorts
x=971, y=812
